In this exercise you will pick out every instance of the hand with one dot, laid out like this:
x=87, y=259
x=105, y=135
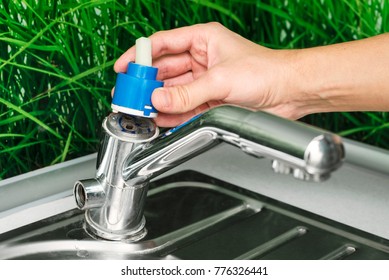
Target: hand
x=207, y=65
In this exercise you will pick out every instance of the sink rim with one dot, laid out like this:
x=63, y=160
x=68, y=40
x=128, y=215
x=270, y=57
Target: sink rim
x=158, y=245
x=144, y=247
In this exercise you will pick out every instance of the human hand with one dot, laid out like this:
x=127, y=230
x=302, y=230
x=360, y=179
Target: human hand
x=207, y=65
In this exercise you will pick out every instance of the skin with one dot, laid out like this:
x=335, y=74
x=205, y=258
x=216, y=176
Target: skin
x=207, y=65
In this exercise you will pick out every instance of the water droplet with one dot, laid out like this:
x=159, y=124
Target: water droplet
x=82, y=253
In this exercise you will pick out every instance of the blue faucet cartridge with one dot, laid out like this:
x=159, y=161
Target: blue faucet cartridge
x=133, y=89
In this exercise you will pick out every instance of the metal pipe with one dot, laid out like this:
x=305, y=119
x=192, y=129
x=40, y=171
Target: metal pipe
x=312, y=151
x=89, y=194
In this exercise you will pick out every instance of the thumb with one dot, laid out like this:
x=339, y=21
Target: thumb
x=184, y=98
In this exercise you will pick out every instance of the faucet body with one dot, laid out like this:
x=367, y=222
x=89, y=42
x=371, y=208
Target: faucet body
x=114, y=207
x=131, y=154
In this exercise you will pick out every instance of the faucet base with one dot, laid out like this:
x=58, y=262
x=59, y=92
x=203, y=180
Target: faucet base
x=97, y=232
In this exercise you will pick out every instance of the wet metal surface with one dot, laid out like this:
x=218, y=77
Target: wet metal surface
x=193, y=216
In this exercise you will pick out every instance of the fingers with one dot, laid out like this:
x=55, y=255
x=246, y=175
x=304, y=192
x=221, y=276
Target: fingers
x=182, y=57
x=175, y=41
x=186, y=97
x=168, y=120
x=122, y=62
x=171, y=120
x=170, y=66
x=179, y=80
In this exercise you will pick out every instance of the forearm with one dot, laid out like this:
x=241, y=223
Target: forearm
x=207, y=65
x=351, y=76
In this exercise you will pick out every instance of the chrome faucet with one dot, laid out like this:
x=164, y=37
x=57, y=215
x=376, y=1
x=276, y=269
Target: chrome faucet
x=132, y=153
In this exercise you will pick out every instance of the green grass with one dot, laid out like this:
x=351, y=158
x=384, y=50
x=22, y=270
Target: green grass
x=56, y=61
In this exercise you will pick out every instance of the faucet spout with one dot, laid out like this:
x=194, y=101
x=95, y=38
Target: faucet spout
x=127, y=163
x=315, y=153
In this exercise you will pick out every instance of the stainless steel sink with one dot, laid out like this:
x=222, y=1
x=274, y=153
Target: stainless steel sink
x=191, y=215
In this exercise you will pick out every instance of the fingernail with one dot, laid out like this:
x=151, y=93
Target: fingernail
x=162, y=97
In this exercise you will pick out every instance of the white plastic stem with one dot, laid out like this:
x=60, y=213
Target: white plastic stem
x=143, y=51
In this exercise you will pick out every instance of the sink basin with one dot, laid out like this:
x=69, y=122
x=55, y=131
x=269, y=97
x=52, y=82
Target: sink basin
x=191, y=215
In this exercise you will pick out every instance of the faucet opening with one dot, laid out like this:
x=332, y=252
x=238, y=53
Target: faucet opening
x=80, y=195
x=88, y=194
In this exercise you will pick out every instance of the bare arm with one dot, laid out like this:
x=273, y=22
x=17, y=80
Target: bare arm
x=352, y=76
x=208, y=65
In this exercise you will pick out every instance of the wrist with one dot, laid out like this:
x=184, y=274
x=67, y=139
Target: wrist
x=296, y=88
x=314, y=84
x=348, y=76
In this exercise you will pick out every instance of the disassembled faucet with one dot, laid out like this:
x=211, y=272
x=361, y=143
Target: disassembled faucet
x=132, y=152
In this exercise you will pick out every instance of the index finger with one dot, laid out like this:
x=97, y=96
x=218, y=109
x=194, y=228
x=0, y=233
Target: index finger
x=177, y=40
x=173, y=41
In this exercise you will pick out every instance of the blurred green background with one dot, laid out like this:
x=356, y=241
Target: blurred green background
x=56, y=60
